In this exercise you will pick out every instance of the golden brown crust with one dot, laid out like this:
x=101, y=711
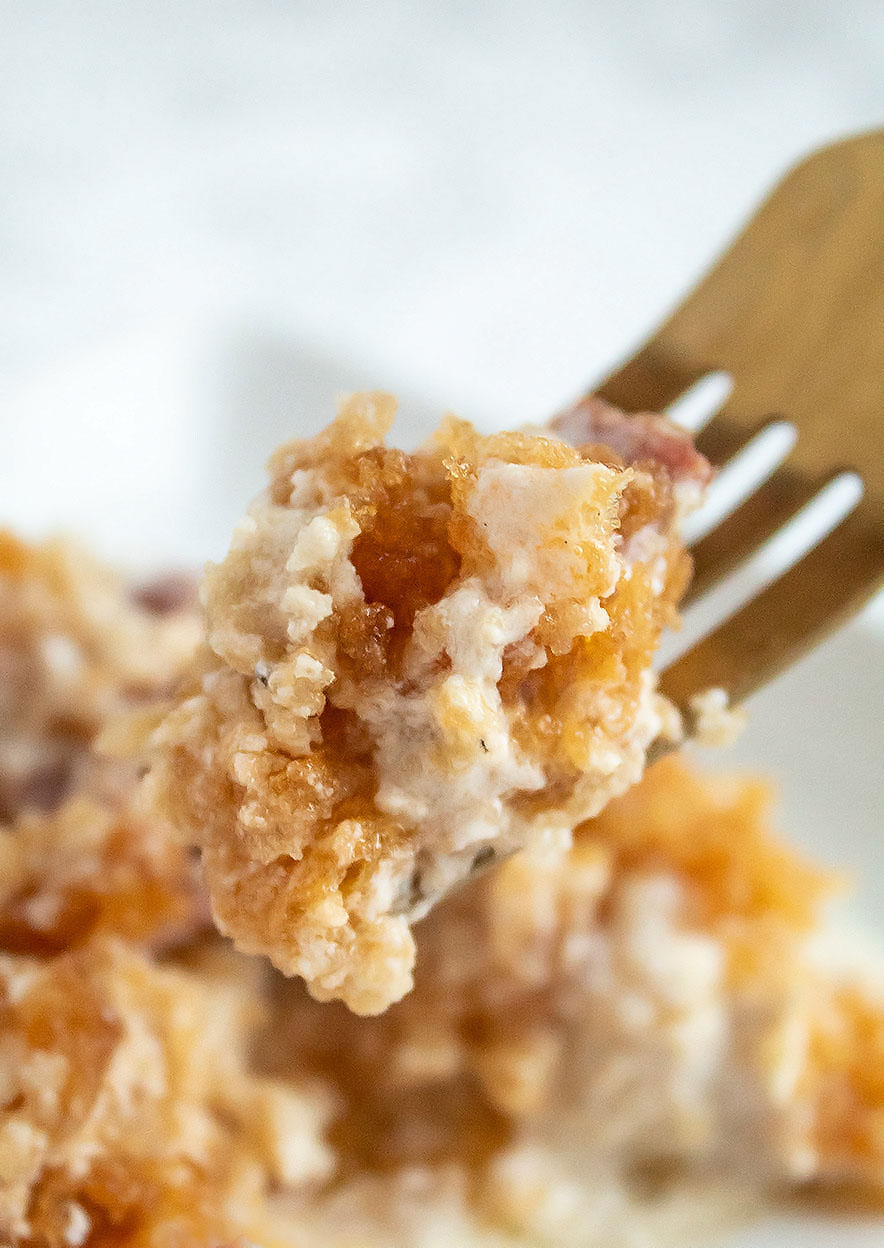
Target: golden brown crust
x=129, y=1116
x=93, y=866
x=414, y=662
x=635, y=1016
x=667, y=954
x=130, y=1111
x=75, y=650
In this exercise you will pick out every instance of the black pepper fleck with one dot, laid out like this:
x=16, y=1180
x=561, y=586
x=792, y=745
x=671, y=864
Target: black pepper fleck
x=483, y=857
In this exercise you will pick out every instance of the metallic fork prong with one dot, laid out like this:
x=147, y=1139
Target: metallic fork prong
x=793, y=312
x=650, y=381
x=789, y=617
x=724, y=437
x=754, y=522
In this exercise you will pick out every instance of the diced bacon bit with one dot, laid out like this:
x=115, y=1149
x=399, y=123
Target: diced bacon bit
x=176, y=591
x=636, y=437
x=42, y=788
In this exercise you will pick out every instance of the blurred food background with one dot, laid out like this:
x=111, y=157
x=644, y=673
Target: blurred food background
x=217, y=214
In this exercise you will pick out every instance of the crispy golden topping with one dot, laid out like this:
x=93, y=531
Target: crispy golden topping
x=129, y=1110
x=75, y=650
x=714, y=834
x=602, y=1035
x=415, y=662
x=91, y=866
x=652, y=995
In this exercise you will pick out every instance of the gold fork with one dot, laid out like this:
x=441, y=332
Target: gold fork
x=794, y=312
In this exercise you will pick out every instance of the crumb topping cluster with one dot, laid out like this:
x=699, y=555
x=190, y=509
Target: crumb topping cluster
x=131, y=1117
x=130, y=1113
x=415, y=663
x=651, y=1001
x=622, y=1043
x=77, y=647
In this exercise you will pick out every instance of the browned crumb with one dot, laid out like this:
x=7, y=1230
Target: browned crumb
x=75, y=650
x=594, y=1036
x=844, y=1079
x=92, y=866
x=415, y=662
x=651, y=999
x=557, y=1041
x=130, y=1117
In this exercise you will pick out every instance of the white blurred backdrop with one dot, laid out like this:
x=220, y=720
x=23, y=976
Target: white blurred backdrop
x=478, y=203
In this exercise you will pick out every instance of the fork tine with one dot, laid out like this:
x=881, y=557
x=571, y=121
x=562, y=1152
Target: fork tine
x=741, y=533
x=726, y=435
x=650, y=381
x=787, y=618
